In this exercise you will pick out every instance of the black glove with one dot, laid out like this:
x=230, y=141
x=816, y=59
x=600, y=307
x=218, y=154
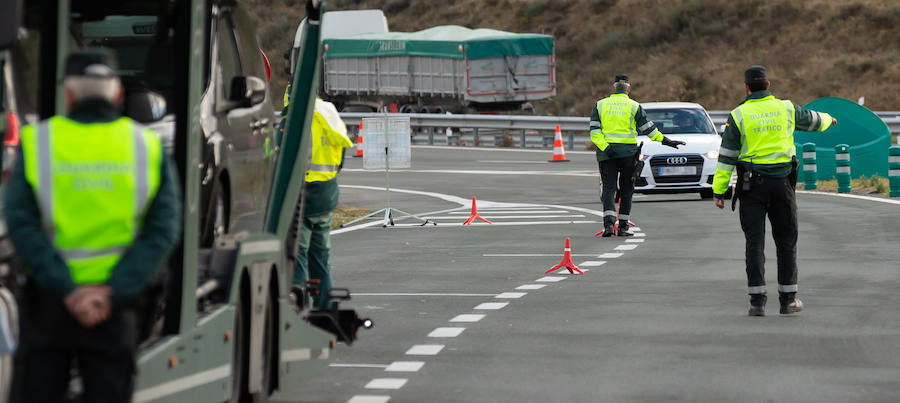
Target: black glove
x=672, y=143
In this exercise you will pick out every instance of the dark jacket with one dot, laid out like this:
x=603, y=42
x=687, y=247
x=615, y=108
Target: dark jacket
x=157, y=238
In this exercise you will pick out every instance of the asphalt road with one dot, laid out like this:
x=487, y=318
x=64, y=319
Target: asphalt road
x=657, y=317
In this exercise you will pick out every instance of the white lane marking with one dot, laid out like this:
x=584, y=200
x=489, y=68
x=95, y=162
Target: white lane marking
x=550, y=279
x=417, y=294
x=542, y=254
x=635, y=240
x=483, y=211
x=851, y=196
x=500, y=224
x=636, y=229
x=588, y=173
x=405, y=366
x=490, y=217
x=357, y=366
x=626, y=247
x=446, y=332
x=386, y=383
x=611, y=255
x=491, y=306
x=531, y=286
x=512, y=207
x=592, y=263
x=512, y=162
x=639, y=234
x=566, y=272
x=468, y=318
x=511, y=295
x=425, y=349
x=445, y=197
x=369, y=399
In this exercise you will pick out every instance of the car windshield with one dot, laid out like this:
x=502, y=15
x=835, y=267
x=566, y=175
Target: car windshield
x=681, y=121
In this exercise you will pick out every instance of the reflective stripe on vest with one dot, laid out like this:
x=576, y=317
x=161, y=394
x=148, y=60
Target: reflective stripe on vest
x=617, y=114
x=325, y=158
x=93, y=183
x=767, y=130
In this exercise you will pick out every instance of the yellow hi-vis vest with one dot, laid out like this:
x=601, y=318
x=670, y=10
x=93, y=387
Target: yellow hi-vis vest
x=617, y=113
x=93, y=183
x=329, y=138
x=767, y=130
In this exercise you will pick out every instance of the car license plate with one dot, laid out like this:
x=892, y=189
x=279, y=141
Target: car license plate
x=683, y=170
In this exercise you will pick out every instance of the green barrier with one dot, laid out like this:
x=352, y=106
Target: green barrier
x=866, y=134
x=894, y=170
x=842, y=167
x=809, y=166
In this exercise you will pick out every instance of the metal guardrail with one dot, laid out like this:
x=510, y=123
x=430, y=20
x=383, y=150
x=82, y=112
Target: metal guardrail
x=531, y=131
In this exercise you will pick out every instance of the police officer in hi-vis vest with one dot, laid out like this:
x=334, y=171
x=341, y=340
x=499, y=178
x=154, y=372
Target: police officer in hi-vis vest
x=320, y=198
x=616, y=122
x=759, y=142
x=93, y=210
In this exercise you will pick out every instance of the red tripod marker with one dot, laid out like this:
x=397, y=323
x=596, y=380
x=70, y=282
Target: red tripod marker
x=616, y=224
x=566, y=261
x=475, y=215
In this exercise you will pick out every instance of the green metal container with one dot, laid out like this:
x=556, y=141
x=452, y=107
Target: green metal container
x=894, y=170
x=809, y=166
x=866, y=134
x=842, y=167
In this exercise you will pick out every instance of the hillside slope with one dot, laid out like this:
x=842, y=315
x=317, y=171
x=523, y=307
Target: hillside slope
x=685, y=50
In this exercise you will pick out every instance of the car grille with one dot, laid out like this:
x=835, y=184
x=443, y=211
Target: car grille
x=660, y=161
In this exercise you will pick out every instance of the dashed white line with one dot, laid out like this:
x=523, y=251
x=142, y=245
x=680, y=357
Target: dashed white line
x=626, y=247
x=468, y=318
x=446, y=332
x=511, y=295
x=636, y=229
x=357, y=365
x=417, y=294
x=635, y=240
x=491, y=306
x=640, y=234
x=369, y=399
x=386, y=383
x=531, y=286
x=592, y=263
x=425, y=349
x=611, y=255
x=405, y=366
x=550, y=279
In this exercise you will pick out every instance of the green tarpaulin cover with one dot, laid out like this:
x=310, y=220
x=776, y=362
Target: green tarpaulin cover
x=441, y=41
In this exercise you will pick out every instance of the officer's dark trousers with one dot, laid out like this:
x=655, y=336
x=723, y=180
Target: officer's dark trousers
x=52, y=343
x=613, y=172
x=775, y=197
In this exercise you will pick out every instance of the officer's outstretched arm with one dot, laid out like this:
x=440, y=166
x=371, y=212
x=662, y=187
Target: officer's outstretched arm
x=813, y=121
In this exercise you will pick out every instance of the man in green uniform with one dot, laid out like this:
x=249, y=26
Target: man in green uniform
x=616, y=122
x=93, y=210
x=320, y=195
x=759, y=142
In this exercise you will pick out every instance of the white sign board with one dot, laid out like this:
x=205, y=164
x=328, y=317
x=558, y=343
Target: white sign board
x=390, y=133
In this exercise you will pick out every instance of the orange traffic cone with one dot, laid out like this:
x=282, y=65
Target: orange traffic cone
x=566, y=261
x=475, y=215
x=359, y=142
x=559, y=153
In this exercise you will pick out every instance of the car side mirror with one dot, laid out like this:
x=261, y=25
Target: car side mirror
x=145, y=106
x=247, y=91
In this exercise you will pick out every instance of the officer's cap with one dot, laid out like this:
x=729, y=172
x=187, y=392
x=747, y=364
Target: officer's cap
x=92, y=62
x=621, y=78
x=755, y=74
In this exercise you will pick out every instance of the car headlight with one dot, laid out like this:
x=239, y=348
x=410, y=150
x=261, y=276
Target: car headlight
x=713, y=155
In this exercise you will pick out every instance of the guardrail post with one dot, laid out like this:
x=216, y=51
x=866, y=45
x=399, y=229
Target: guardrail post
x=894, y=170
x=475, y=142
x=842, y=167
x=809, y=166
x=524, y=142
x=571, y=141
x=431, y=136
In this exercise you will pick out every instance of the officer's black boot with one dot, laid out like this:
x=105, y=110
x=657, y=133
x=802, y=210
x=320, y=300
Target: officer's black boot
x=623, y=229
x=789, y=303
x=757, y=305
x=608, y=229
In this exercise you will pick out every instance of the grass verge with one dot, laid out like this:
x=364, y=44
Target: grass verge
x=860, y=186
x=344, y=214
